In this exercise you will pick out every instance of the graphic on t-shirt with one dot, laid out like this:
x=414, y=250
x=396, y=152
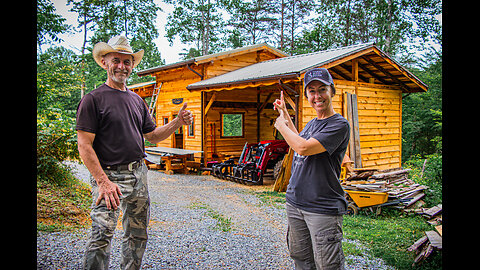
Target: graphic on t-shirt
x=298, y=159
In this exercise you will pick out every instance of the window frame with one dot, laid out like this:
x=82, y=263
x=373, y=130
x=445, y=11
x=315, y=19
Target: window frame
x=191, y=128
x=243, y=125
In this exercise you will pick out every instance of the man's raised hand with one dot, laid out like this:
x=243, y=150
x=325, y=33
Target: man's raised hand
x=185, y=116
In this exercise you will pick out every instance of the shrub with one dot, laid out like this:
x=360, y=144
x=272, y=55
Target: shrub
x=56, y=142
x=431, y=177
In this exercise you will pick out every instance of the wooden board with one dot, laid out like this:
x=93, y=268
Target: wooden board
x=281, y=182
x=434, y=238
x=352, y=117
x=167, y=150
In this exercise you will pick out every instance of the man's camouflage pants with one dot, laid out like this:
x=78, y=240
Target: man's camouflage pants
x=135, y=205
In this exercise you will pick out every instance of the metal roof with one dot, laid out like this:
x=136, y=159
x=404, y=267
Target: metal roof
x=206, y=58
x=142, y=84
x=282, y=67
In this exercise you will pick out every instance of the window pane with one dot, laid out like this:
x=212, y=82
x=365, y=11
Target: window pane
x=191, y=129
x=232, y=125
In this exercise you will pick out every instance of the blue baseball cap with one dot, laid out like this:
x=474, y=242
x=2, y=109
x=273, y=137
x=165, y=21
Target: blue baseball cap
x=317, y=74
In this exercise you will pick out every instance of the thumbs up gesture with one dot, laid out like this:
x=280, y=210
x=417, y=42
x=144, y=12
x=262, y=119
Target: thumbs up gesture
x=185, y=116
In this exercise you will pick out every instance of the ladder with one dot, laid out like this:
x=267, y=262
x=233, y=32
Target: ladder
x=153, y=101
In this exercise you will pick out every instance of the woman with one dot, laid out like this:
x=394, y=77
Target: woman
x=315, y=199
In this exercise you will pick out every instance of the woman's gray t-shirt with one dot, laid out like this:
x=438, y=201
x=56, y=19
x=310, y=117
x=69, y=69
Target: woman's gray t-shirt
x=314, y=185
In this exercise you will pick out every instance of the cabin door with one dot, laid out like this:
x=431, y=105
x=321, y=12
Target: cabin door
x=178, y=138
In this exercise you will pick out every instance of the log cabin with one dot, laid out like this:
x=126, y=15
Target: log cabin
x=231, y=93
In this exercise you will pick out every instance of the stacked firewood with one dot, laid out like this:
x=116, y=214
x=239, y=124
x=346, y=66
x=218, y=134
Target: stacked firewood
x=395, y=182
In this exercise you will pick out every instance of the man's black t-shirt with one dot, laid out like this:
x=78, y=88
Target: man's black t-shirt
x=314, y=184
x=119, y=119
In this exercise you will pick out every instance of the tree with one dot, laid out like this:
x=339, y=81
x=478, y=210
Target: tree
x=250, y=21
x=57, y=80
x=390, y=24
x=57, y=99
x=422, y=112
x=291, y=17
x=105, y=18
x=197, y=23
x=49, y=24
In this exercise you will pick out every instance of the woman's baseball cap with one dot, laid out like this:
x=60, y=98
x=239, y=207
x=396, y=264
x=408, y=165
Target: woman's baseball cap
x=318, y=74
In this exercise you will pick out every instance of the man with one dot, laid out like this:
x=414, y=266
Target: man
x=315, y=199
x=112, y=123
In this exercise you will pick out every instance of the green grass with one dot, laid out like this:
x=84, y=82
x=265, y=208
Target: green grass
x=223, y=223
x=273, y=198
x=387, y=236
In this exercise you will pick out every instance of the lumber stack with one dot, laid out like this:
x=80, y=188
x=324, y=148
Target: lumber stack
x=402, y=191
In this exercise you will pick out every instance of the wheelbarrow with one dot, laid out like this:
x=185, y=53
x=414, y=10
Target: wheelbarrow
x=361, y=199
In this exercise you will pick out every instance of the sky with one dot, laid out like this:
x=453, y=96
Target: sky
x=75, y=41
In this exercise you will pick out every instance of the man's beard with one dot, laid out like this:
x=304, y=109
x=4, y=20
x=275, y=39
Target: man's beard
x=115, y=76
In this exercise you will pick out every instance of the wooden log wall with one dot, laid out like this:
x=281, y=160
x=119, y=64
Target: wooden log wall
x=174, y=86
x=176, y=80
x=217, y=145
x=248, y=96
x=380, y=119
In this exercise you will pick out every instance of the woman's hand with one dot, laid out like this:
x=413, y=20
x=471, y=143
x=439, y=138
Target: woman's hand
x=280, y=104
x=281, y=120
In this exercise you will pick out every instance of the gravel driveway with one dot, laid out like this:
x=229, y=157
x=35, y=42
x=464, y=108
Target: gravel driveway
x=196, y=222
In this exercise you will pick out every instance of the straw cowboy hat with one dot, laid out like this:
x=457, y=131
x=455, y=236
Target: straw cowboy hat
x=117, y=44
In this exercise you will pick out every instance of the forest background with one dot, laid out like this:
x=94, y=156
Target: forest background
x=408, y=30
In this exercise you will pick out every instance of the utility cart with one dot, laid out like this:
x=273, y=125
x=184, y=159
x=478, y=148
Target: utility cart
x=360, y=199
x=373, y=200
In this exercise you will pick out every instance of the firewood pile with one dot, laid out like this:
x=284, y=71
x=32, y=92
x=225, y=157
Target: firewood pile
x=402, y=191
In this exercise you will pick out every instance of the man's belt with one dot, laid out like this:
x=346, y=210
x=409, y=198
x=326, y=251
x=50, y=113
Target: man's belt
x=123, y=167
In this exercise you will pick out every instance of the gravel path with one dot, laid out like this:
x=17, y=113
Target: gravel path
x=185, y=231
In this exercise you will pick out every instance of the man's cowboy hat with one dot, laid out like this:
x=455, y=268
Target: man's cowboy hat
x=117, y=44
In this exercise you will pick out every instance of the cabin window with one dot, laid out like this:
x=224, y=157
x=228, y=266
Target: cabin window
x=232, y=124
x=180, y=129
x=165, y=120
x=191, y=128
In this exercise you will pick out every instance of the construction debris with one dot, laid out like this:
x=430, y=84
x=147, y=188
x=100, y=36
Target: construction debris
x=427, y=244
x=432, y=239
x=402, y=192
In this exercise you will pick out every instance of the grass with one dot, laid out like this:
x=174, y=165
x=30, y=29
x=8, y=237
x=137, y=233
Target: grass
x=273, y=198
x=223, y=223
x=64, y=205
x=387, y=236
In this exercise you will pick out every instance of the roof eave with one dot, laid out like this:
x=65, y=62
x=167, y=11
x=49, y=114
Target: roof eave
x=228, y=84
x=403, y=70
x=216, y=56
x=149, y=71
